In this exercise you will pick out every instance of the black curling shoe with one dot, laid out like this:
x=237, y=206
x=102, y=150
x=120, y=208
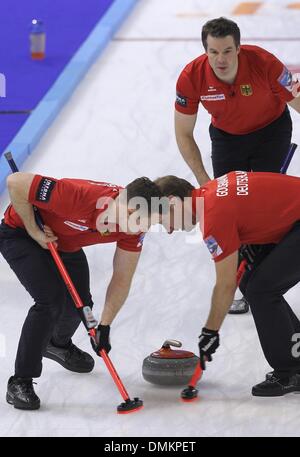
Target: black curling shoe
x=275, y=386
x=70, y=357
x=21, y=394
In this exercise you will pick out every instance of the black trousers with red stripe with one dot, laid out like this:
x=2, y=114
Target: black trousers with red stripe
x=262, y=150
x=53, y=315
x=264, y=287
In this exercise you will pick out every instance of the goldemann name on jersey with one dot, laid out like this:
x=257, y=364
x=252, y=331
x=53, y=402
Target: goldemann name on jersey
x=242, y=184
x=212, y=98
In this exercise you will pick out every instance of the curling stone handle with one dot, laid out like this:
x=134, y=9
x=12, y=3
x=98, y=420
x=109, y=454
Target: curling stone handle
x=168, y=343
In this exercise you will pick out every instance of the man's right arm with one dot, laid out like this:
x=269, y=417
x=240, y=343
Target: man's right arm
x=18, y=185
x=184, y=131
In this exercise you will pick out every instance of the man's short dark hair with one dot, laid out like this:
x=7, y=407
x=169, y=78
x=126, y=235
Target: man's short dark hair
x=172, y=185
x=220, y=28
x=143, y=188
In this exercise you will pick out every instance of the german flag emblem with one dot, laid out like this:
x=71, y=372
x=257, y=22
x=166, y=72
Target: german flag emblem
x=246, y=90
x=107, y=233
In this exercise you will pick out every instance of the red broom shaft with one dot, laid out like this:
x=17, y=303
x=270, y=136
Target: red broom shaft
x=67, y=280
x=241, y=271
x=79, y=304
x=196, y=376
x=114, y=375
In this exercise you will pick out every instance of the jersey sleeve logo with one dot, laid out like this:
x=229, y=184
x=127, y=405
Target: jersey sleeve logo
x=141, y=240
x=213, y=246
x=286, y=79
x=181, y=100
x=45, y=189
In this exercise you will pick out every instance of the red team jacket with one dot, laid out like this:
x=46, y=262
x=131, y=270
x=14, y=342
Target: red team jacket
x=258, y=96
x=247, y=208
x=68, y=207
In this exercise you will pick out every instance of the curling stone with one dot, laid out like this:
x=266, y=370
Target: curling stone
x=170, y=367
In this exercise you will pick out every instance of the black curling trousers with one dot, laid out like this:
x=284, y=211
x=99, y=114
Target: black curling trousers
x=262, y=150
x=264, y=287
x=53, y=315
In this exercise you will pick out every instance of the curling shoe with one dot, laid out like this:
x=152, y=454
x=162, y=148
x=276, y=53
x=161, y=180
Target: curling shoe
x=240, y=306
x=275, y=386
x=20, y=393
x=70, y=357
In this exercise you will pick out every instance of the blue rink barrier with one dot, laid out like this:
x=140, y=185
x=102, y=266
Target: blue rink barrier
x=46, y=111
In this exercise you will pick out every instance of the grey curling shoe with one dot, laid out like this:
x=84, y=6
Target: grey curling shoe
x=240, y=306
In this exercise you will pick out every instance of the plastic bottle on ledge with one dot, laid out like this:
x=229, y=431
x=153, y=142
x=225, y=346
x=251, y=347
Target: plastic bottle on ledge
x=37, y=40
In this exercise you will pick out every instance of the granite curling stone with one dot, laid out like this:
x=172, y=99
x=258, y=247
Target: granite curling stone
x=169, y=367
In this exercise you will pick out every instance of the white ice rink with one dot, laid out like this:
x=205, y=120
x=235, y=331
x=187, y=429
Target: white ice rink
x=117, y=126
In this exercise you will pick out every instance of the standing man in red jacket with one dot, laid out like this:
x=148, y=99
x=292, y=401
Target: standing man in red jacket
x=246, y=90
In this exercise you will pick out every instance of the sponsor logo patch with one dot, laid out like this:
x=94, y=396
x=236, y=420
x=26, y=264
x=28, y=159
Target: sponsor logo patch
x=213, y=246
x=75, y=226
x=286, y=79
x=141, y=240
x=246, y=90
x=103, y=184
x=181, y=100
x=44, y=190
x=212, y=98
